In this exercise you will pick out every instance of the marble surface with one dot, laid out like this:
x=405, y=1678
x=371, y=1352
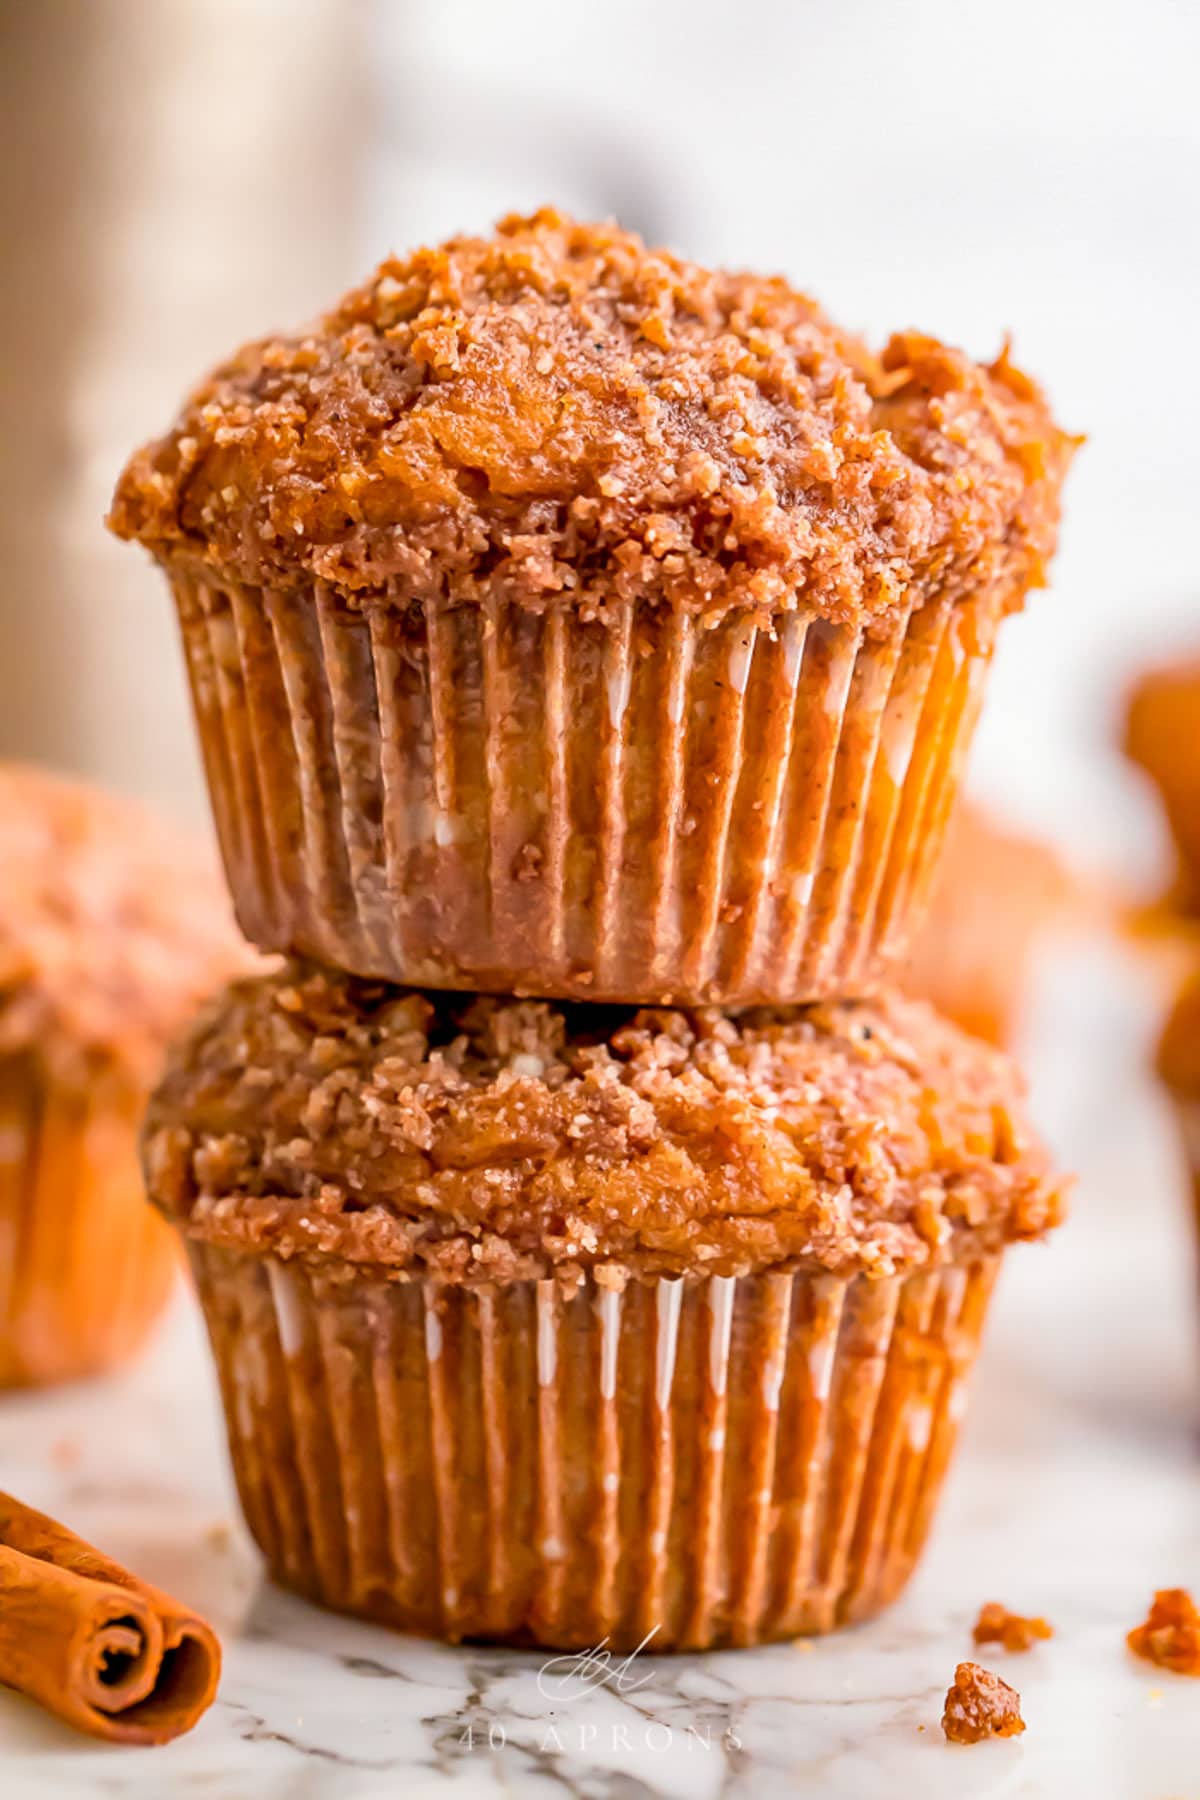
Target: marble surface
x=1076, y=1493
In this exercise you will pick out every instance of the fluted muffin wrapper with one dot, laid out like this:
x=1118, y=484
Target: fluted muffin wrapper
x=698, y=1462
x=86, y=1267
x=640, y=809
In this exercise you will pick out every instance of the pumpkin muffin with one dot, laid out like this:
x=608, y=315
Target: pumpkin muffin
x=554, y=1324
x=1179, y=1067
x=997, y=897
x=566, y=619
x=112, y=929
x=1162, y=736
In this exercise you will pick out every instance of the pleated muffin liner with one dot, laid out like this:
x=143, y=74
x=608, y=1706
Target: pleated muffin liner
x=702, y=1462
x=86, y=1267
x=640, y=809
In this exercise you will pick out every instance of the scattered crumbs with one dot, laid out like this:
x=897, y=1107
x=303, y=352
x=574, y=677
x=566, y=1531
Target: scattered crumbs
x=996, y=1625
x=1170, y=1634
x=219, y=1536
x=979, y=1705
x=1154, y=1697
x=65, y=1453
x=805, y=1644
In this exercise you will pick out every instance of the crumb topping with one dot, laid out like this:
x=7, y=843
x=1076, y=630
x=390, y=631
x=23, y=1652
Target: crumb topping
x=996, y=1625
x=113, y=927
x=311, y=1114
x=979, y=1705
x=557, y=414
x=1170, y=1633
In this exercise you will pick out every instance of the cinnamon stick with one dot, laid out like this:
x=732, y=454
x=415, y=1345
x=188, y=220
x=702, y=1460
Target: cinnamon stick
x=87, y=1640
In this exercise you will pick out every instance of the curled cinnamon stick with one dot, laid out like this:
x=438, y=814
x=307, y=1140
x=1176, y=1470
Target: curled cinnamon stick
x=90, y=1642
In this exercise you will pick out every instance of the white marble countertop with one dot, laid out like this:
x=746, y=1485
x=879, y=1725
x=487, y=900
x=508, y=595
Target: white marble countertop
x=1075, y=1494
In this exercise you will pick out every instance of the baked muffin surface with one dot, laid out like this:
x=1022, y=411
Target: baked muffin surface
x=310, y=1114
x=559, y=415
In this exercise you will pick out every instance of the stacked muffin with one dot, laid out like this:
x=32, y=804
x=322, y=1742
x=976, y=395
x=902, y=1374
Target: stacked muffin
x=590, y=643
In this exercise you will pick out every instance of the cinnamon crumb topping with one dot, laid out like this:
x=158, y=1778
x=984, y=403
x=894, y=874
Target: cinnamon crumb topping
x=1170, y=1633
x=979, y=1705
x=559, y=415
x=996, y=1625
x=309, y=1113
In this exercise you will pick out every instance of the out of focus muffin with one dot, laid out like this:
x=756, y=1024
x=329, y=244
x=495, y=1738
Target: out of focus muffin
x=1179, y=1067
x=1162, y=735
x=112, y=929
x=997, y=896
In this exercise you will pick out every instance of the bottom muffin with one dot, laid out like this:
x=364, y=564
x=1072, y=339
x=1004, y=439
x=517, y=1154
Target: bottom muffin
x=541, y=1324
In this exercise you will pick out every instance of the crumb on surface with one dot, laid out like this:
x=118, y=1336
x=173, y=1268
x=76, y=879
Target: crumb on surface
x=979, y=1705
x=1170, y=1633
x=996, y=1625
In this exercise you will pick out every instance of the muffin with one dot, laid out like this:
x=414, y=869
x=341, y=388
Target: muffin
x=996, y=898
x=566, y=619
x=554, y=1324
x=112, y=929
x=1162, y=735
x=1179, y=1067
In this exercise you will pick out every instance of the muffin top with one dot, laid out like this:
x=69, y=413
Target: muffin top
x=112, y=928
x=309, y=1114
x=1179, y=1050
x=558, y=415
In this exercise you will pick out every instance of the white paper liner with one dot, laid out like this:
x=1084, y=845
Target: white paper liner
x=637, y=810
x=713, y=1461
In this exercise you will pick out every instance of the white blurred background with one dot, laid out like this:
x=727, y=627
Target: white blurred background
x=177, y=177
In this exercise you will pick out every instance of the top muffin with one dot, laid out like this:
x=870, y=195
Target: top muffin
x=113, y=928
x=558, y=415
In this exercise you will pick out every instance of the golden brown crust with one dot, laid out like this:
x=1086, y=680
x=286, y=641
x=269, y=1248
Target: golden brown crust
x=979, y=1705
x=309, y=1114
x=1179, y=1047
x=557, y=414
x=113, y=928
x=996, y=1625
x=1170, y=1633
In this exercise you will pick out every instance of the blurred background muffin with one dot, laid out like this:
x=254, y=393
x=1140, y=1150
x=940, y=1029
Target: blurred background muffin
x=112, y=928
x=1162, y=736
x=999, y=899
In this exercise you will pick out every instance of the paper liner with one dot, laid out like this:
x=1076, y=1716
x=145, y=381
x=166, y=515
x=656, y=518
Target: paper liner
x=86, y=1266
x=636, y=810
x=713, y=1461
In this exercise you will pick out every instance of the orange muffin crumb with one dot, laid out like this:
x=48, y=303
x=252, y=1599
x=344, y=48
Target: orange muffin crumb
x=979, y=1705
x=1170, y=1633
x=996, y=1625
